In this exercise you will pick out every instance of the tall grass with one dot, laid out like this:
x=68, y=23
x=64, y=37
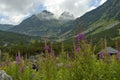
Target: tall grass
x=79, y=64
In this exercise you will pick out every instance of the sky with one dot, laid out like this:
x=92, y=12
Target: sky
x=15, y=11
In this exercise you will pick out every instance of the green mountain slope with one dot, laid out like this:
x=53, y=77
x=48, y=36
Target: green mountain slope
x=111, y=34
x=101, y=22
x=9, y=38
x=5, y=27
x=109, y=10
x=43, y=24
x=102, y=19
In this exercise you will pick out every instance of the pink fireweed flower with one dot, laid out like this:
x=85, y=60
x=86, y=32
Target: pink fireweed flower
x=102, y=55
x=18, y=58
x=78, y=49
x=119, y=50
x=47, y=48
x=109, y=55
x=80, y=37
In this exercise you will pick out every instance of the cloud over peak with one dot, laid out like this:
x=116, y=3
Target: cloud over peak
x=14, y=11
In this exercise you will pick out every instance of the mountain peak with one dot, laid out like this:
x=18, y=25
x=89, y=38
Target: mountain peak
x=45, y=15
x=66, y=16
x=47, y=12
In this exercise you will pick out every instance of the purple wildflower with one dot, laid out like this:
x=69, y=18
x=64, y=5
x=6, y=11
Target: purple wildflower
x=80, y=37
x=108, y=54
x=102, y=55
x=119, y=50
x=18, y=58
x=47, y=48
x=78, y=49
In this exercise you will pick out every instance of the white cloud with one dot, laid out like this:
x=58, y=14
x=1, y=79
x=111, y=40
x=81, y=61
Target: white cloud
x=76, y=7
x=102, y=1
x=12, y=19
x=14, y=11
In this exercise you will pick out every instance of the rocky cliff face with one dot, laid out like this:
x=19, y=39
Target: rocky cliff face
x=45, y=15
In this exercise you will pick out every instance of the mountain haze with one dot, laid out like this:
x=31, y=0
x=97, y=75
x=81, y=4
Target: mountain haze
x=100, y=20
x=43, y=24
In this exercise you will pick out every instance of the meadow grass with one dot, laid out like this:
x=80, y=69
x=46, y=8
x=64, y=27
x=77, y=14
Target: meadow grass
x=79, y=64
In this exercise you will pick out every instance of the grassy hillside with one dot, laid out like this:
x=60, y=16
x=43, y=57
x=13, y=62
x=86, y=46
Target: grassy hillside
x=112, y=34
x=5, y=27
x=42, y=27
x=7, y=38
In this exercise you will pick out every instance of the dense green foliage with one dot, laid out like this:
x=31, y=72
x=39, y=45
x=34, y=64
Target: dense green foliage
x=76, y=65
